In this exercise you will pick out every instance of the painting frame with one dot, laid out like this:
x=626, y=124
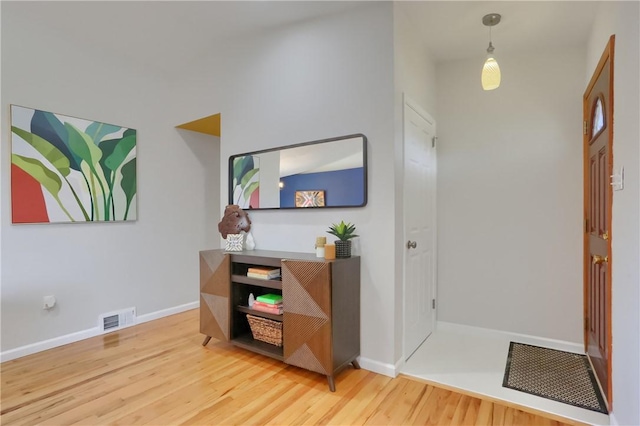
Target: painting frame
x=310, y=198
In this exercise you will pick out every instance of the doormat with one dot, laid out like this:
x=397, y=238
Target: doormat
x=561, y=376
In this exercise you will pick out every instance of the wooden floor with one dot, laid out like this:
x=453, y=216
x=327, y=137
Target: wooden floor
x=159, y=373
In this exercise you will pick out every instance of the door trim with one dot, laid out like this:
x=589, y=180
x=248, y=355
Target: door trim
x=608, y=54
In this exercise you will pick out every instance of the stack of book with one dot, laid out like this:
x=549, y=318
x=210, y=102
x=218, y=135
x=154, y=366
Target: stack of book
x=263, y=273
x=270, y=303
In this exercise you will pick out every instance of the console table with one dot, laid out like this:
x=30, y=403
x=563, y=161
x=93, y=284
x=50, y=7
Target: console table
x=321, y=300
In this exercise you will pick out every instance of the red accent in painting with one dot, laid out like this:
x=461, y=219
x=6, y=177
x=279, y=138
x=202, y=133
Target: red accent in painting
x=27, y=201
x=254, y=200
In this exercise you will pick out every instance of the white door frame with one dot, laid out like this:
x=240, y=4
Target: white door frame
x=408, y=102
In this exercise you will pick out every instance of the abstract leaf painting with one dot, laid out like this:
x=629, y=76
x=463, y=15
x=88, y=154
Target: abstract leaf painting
x=66, y=169
x=246, y=181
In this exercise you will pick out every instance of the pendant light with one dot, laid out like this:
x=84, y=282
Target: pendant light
x=491, y=69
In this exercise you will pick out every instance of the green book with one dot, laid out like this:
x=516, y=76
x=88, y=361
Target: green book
x=270, y=298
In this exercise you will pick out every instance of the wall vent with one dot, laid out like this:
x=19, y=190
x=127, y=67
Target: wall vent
x=116, y=320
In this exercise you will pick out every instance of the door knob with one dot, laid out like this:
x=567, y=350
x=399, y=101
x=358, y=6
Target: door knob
x=411, y=244
x=598, y=260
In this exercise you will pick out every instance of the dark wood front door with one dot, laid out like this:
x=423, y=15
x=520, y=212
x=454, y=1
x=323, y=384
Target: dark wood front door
x=598, y=144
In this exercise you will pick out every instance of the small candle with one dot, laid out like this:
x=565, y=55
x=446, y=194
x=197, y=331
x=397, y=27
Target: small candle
x=330, y=251
x=320, y=242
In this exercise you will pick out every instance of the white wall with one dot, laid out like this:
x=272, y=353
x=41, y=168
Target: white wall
x=152, y=263
x=269, y=179
x=414, y=77
x=319, y=79
x=622, y=19
x=414, y=68
x=510, y=195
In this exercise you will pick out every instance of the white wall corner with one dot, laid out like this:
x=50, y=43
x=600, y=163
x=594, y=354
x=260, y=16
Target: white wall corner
x=483, y=162
x=386, y=369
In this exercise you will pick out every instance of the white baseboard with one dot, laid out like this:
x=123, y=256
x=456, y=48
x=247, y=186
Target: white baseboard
x=33, y=348
x=385, y=369
x=560, y=345
x=166, y=312
x=399, y=365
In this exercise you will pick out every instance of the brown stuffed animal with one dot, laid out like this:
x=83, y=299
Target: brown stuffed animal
x=233, y=221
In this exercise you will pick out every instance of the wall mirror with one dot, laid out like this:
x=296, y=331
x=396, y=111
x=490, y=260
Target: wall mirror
x=318, y=174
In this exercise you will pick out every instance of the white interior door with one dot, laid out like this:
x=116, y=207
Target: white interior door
x=420, y=221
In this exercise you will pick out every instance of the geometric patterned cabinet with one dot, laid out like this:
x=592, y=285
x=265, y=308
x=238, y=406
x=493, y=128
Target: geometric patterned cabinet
x=321, y=300
x=214, y=294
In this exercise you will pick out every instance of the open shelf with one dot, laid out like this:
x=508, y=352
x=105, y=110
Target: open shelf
x=247, y=341
x=248, y=310
x=243, y=279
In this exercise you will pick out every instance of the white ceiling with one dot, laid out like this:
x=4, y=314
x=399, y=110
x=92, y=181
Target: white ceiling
x=454, y=30
x=165, y=35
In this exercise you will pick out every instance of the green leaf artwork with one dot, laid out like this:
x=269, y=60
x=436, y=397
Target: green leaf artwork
x=128, y=183
x=246, y=181
x=67, y=169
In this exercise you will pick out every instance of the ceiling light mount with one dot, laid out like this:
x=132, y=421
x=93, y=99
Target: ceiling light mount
x=492, y=19
x=491, y=70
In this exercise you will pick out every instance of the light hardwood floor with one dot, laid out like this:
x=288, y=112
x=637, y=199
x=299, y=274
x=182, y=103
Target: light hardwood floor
x=159, y=373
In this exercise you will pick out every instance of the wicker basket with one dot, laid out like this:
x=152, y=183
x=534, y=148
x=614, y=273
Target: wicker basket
x=266, y=330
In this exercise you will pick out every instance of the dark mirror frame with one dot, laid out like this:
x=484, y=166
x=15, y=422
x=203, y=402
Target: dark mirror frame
x=320, y=194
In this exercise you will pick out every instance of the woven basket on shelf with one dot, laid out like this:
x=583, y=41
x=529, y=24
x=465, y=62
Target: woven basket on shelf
x=265, y=330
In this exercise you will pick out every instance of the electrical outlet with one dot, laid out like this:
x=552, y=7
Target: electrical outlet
x=49, y=302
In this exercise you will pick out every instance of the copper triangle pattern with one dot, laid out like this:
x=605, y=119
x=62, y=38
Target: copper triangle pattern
x=219, y=308
x=208, y=324
x=215, y=281
x=300, y=329
x=212, y=258
x=304, y=357
x=205, y=271
x=305, y=272
x=297, y=299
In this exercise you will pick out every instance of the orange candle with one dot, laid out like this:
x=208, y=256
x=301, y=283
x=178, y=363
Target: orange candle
x=330, y=251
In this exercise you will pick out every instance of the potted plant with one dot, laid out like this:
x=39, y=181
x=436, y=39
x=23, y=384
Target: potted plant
x=344, y=232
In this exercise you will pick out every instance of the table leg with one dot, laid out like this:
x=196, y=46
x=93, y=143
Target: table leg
x=332, y=383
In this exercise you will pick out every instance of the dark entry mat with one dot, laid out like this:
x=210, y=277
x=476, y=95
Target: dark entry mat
x=561, y=376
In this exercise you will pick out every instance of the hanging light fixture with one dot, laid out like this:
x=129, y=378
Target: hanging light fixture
x=491, y=69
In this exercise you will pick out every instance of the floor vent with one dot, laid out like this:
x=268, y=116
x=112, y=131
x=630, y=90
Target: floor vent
x=117, y=320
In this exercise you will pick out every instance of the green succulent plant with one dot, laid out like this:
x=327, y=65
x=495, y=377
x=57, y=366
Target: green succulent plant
x=344, y=231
